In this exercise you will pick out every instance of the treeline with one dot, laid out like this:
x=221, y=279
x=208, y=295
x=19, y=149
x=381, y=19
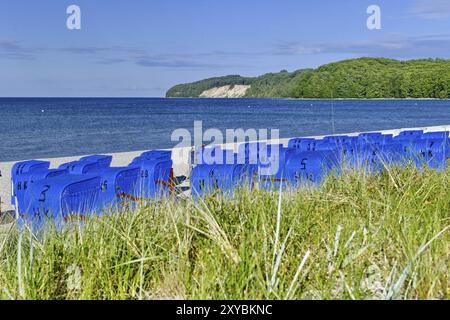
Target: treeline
x=362, y=78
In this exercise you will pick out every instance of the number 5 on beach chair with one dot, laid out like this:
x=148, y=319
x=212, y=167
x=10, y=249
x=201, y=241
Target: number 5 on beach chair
x=309, y=168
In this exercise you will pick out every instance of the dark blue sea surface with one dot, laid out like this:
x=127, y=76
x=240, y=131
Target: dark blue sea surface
x=55, y=127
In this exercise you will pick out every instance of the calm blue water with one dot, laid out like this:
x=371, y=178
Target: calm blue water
x=83, y=126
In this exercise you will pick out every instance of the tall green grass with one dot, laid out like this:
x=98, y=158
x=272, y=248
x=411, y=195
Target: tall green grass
x=357, y=236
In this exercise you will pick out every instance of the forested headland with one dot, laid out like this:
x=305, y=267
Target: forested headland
x=362, y=78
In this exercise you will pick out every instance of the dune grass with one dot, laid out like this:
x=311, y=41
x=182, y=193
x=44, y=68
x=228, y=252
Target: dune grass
x=382, y=236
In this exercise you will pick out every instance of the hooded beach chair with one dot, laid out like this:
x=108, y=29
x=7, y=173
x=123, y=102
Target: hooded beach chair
x=155, y=179
x=61, y=199
x=24, y=167
x=117, y=185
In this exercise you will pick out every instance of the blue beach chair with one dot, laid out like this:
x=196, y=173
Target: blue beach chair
x=82, y=167
x=62, y=199
x=435, y=135
x=155, y=179
x=433, y=153
x=272, y=160
x=24, y=181
x=432, y=159
x=409, y=135
x=249, y=152
x=215, y=155
x=201, y=180
x=117, y=186
x=221, y=178
x=226, y=177
x=23, y=167
x=309, y=167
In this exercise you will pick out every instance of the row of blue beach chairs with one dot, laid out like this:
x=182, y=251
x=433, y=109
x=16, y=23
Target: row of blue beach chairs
x=306, y=161
x=90, y=185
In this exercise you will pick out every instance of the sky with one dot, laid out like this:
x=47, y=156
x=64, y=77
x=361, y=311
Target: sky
x=141, y=48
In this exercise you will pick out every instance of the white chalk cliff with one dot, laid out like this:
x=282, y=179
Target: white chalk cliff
x=236, y=91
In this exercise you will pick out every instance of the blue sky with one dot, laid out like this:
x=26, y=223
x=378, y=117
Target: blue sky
x=142, y=47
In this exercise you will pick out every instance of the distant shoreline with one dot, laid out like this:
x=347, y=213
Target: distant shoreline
x=242, y=98
x=307, y=99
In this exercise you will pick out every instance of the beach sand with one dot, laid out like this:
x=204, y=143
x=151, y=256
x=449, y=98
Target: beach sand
x=180, y=157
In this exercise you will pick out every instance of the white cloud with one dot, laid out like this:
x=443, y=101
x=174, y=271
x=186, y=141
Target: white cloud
x=394, y=46
x=432, y=9
x=12, y=49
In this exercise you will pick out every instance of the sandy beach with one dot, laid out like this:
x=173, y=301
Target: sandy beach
x=181, y=158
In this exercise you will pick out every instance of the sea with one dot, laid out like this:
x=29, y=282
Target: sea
x=32, y=128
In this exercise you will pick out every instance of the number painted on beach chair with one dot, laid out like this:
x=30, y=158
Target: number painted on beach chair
x=37, y=213
x=44, y=191
x=303, y=163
